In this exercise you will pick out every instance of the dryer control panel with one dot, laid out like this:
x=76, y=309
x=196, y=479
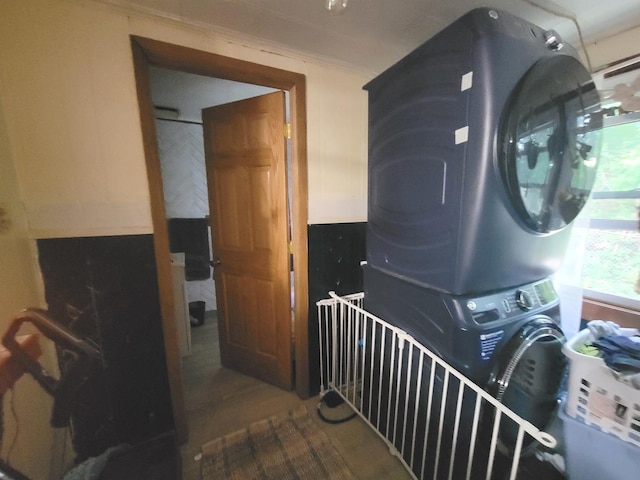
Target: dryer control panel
x=513, y=302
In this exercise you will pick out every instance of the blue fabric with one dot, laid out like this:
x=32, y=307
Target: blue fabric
x=620, y=353
x=92, y=468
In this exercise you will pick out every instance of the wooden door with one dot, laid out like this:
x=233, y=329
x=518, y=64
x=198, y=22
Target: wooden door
x=245, y=154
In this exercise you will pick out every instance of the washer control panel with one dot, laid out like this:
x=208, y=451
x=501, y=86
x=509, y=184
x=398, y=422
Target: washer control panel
x=524, y=300
x=510, y=303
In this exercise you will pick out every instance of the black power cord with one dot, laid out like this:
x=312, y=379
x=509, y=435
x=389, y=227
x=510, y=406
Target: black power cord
x=332, y=400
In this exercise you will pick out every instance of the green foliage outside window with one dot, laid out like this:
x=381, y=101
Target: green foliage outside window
x=611, y=262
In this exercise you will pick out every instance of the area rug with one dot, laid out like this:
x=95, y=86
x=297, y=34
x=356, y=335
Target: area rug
x=284, y=447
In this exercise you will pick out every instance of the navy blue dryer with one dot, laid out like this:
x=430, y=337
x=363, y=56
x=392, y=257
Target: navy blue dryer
x=483, y=148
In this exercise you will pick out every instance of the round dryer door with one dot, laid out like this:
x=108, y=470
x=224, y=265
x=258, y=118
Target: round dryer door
x=549, y=142
x=528, y=377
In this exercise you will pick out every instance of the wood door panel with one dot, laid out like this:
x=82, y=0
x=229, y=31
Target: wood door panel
x=248, y=218
x=253, y=321
x=230, y=183
x=261, y=213
x=251, y=334
x=267, y=324
x=239, y=329
x=243, y=131
x=246, y=167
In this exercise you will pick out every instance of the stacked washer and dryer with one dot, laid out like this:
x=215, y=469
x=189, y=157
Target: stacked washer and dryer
x=483, y=148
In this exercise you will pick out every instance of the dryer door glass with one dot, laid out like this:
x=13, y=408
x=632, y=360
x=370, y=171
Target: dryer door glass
x=549, y=142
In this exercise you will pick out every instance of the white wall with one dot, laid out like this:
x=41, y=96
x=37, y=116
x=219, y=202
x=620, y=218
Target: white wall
x=73, y=120
x=184, y=179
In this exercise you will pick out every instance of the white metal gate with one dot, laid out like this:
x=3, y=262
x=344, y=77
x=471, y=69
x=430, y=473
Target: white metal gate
x=439, y=423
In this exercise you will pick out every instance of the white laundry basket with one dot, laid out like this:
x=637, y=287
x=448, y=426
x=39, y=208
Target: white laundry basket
x=598, y=397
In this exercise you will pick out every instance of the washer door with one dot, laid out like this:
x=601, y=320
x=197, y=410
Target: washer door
x=528, y=377
x=549, y=142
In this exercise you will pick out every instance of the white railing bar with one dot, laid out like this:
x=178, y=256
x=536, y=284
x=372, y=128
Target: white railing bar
x=347, y=343
x=391, y=371
x=320, y=345
x=399, y=371
x=341, y=379
x=356, y=357
x=345, y=298
x=371, y=373
x=381, y=378
x=516, y=454
x=354, y=352
x=539, y=435
x=334, y=349
x=445, y=394
x=416, y=408
x=329, y=348
x=494, y=442
x=429, y=411
x=407, y=393
x=456, y=427
x=474, y=435
x=364, y=359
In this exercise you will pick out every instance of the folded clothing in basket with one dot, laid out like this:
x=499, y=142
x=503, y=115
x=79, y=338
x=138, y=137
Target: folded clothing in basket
x=618, y=347
x=602, y=328
x=620, y=353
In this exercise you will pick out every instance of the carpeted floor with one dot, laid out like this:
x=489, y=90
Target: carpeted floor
x=283, y=447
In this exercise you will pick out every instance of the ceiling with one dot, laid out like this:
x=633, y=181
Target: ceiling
x=371, y=35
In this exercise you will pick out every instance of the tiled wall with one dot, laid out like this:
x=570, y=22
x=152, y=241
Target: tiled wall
x=105, y=290
x=181, y=150
x=335, y=253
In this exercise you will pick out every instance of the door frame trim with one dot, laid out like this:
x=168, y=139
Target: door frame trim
x=148, y=52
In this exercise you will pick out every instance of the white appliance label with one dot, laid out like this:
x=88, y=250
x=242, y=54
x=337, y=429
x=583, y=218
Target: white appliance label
x=462, y=135
x=467, y=81
x=488, y=343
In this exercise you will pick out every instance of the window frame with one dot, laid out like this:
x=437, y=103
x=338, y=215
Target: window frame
x=601, y=305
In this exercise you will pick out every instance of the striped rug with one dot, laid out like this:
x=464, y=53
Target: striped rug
x=284, y=447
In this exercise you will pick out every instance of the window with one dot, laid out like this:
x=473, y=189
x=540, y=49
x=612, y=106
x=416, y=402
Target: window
x=611, y=256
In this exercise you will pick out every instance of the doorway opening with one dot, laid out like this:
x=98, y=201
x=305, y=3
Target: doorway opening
x=150, y=53
x=178, y=99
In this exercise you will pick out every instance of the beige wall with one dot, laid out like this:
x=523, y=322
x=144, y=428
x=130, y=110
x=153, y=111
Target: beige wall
x=73, y=118
x=27, y=407
x=615, y=48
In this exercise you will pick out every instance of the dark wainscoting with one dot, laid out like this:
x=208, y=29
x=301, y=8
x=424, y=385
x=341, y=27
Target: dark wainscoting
x=105, y=289
x=335, y=253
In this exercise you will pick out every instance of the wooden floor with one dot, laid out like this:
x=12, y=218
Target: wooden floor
x=220, y=401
